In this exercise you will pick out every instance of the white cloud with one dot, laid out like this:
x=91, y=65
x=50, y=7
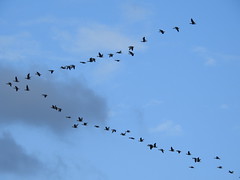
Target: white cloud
x=94, y=38
x=167, y=128
x=210, y=62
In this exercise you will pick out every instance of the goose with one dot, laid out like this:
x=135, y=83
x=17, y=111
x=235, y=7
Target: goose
x=117, y=60
x=231, y=172
x=219, y=167
x=107, y=128
x=110, y=55
x=59, y=109
x=100, y=55
x=130, y=48
x=141, y=139
x=96, y=126
x=80, y=119
x=196, y=159
x=75, y=125
x=85, y=124
x=217, y=158
x=131, y=53
x=178, y=151
x=38, y=74
x=150, y=146
x=54, y=107
x=27, y=88
x=123, y=134
x=114, y=130
x=16, y=88
x=127, y=131
x=162, y=150
x=171, y=149
x=82, y=62
x=9, y=83
x=161, y=31
x=131, y=138
x=51, y=71
x=191, y=167
x=28, y=77
x=177, y=28
x=92, y=60
x=188, y=153
x=16, y=79
x=192, y=22
x=44, y=95
x=144, y=39
x=68, y=117
x=119, y=52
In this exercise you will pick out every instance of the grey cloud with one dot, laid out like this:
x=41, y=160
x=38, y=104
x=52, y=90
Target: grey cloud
x=14, y=159
x=74, y=97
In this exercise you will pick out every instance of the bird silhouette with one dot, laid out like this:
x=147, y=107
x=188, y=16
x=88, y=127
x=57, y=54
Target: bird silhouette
x=110, y=55
x=28, y=77
x=117, y=60
x=59, y=109
x=171, y=149
x=92, y=60
x=217, y=158
x=141, y=139
x=131, y=53
x=27, y=88
x=51, y=71
x=38, y=74
x=130, y=48
x=162, y=150
x=188, y=153
x=178, y=151
x=119, y=52
x=144, y=39
x=68, y=117
x=196, y=159
x=150, y=146
x=16, y=79
x=9, y=83
x=131, y=138
x=123, y=134
x=219, y=167
x=161, y=31
x=80, y=119
x=191, y=167
x=85, y=124
x=82, y=62
x=231, y=172
x=44, y=95
x=96, y=126
x=192, y=22
x=100, y=55
x=75, y=125
x=16, y=88
x=107, y=128
x=114, y=130
x=127, y=131
x=177, y=28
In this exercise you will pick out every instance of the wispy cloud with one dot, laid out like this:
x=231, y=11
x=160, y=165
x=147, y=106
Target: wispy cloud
x=167, y=128
x=94, y=38
x=210, y=62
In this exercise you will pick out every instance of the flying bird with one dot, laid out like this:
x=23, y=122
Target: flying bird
x=177, y=28
x=123, y=134
x=150, y=146
x=16, y=79
x=161, y=31
x=217, y=158
x=28, y=77
x=85, y=124
x=219, y=167
x=114, y=130
x=68, y=117
x=51, y=71
x=38, y=74
x=107, y=128
x=110, y=55
x=130, y=48
x=9, y=83
x=231, y=172
x=162, y=150
x=80, y=119
x=196, y=159
x=141, y=139
x=127, y=131
x=117, y=60
x=191, y=167
x=171, y=149
x=27, y=88
x=131, y=138
x=44, y=95
x=188, y=153
x=119, y=52
x=131, y=53
x=178, y=151
x=100, y=55
x=16, y=88
x=144, y=39
x=96, y=126
x=192, y=22
x=82, y=62
x=75, y=125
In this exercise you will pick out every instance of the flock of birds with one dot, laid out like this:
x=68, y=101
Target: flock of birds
x=79, y=120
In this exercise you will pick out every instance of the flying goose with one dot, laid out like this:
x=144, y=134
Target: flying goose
x=28, y=77
x=192, y=22
x=177, y=28
x=130, y=48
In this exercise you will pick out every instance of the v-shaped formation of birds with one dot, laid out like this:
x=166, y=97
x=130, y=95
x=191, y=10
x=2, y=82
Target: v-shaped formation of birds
x=80, y=120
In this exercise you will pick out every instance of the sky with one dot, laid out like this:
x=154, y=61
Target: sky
x=180, y=89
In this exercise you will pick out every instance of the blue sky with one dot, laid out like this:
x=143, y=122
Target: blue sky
x=180, y=89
